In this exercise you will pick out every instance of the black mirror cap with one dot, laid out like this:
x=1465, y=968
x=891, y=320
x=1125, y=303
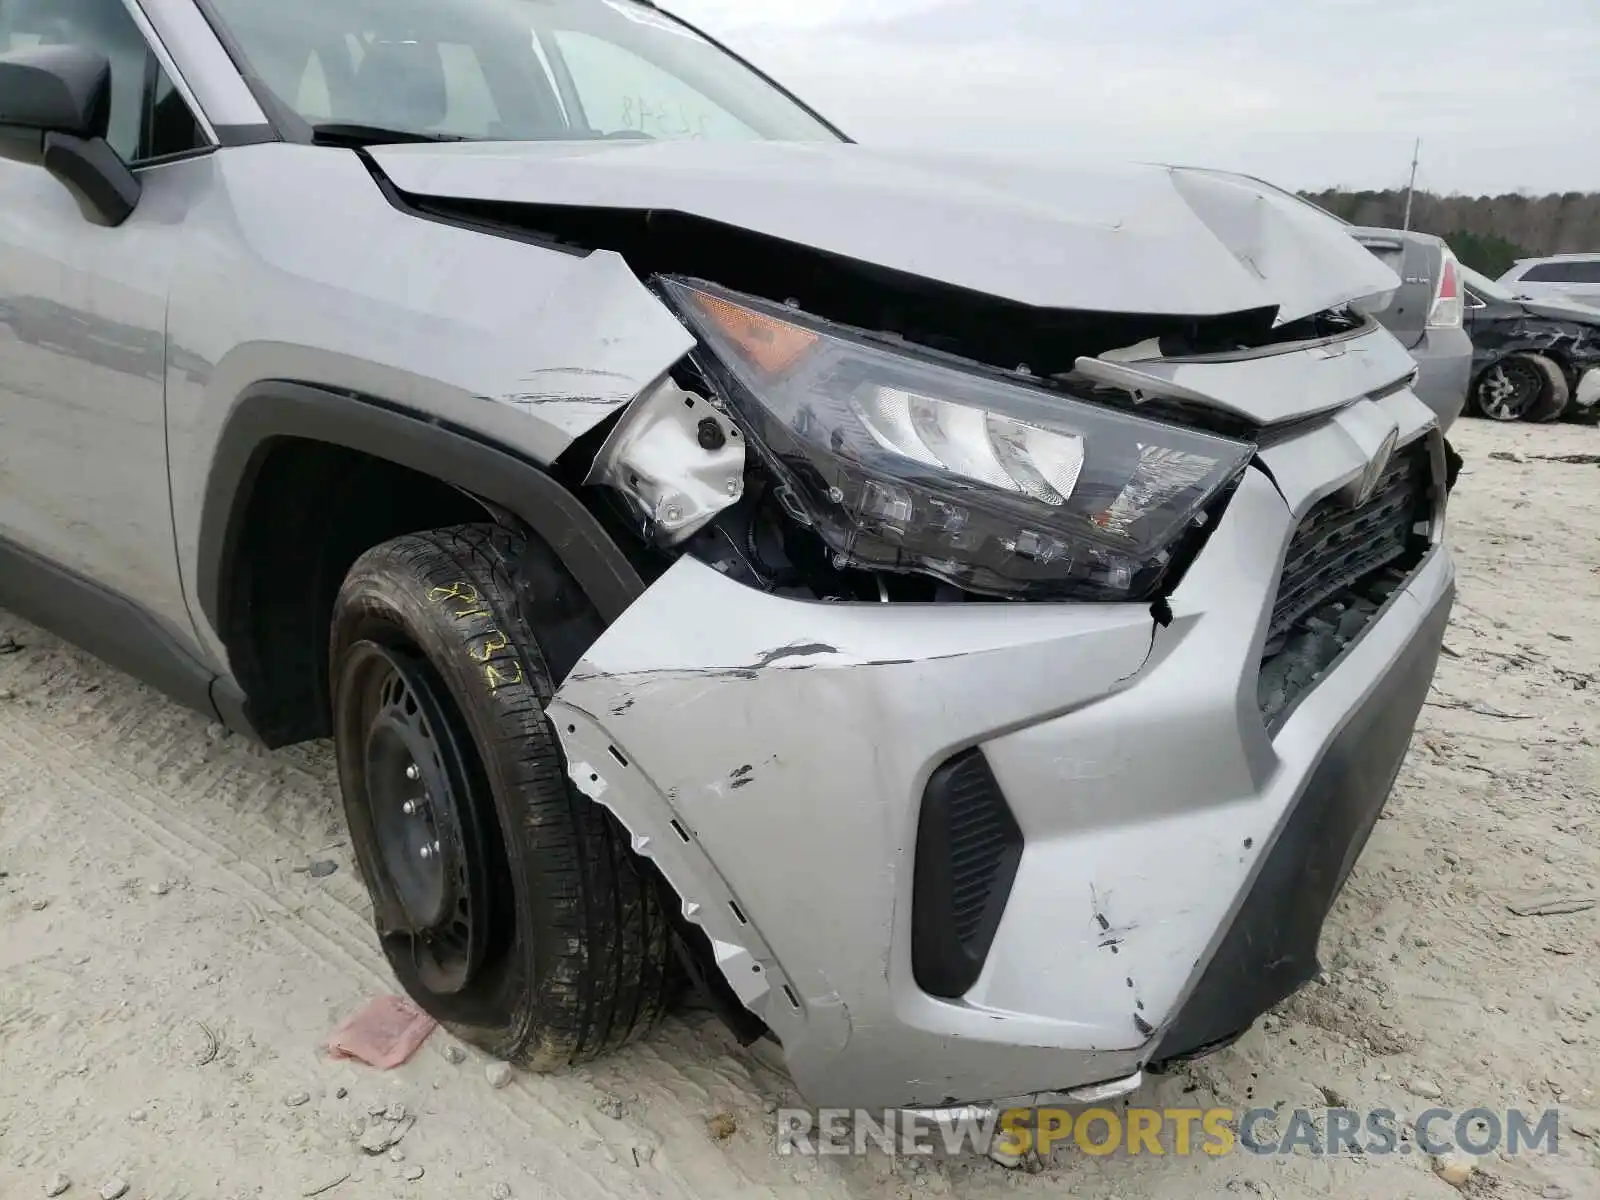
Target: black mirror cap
x=105, y=189
x=56, y=89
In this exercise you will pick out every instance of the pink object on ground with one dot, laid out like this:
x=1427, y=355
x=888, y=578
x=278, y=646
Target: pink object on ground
x=384, y=1033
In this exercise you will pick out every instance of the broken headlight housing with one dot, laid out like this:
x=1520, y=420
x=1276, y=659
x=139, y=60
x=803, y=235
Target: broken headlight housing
x=901, y=463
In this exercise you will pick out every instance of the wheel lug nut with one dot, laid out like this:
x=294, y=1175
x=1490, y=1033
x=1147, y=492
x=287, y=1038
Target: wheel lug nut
x=412, y=772
x=436, y=847
x=426, y=852
x=408, y=808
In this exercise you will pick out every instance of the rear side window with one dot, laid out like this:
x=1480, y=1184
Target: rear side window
x=1579, y=271
x=149, y=117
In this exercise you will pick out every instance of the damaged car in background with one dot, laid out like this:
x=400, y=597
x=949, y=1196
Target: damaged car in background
x=1424, y=312
x=1533, y=359
x=966, y=616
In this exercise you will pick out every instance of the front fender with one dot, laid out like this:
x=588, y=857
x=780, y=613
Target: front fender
x=504, y=341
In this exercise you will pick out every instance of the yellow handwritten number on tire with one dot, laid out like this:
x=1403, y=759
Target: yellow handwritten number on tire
x=496, y=641
x=464, y=592
x=498, y=679
x=498, y=674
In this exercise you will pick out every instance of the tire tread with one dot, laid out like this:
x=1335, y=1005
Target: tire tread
x=601, y=972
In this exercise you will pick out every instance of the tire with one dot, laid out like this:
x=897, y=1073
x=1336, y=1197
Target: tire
x=1514, y=387
x=509, y=905
x=1552, y=401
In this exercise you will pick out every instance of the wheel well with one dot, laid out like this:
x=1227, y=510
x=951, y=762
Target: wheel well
x=306, y=511
x=311, y=510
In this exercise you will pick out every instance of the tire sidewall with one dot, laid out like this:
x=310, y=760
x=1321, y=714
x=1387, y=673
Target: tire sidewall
x=1552, y=399
x=386, y=595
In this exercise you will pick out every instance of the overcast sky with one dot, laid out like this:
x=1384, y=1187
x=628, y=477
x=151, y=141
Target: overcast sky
x=1505, y=94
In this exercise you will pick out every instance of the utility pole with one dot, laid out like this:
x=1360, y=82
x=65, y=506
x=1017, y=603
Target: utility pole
x=1416, y=152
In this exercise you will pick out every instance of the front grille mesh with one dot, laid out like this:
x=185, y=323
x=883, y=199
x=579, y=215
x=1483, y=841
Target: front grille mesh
x=1342, y=564
x=1336, y=545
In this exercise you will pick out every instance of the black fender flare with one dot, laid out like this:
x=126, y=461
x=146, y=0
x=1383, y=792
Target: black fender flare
x=272, y=410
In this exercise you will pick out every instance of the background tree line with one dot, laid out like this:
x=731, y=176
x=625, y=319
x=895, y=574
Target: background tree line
x=1488, y=233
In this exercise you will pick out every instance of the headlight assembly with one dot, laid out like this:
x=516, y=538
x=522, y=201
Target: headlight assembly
x=904, y=464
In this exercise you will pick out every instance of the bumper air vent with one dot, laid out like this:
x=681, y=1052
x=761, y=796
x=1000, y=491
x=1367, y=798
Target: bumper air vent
x=968, y=847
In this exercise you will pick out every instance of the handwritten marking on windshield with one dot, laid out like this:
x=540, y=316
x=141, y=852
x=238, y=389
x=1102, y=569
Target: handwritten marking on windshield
x=663, y=118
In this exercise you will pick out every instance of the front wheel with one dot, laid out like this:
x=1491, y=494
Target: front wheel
x=508, y=904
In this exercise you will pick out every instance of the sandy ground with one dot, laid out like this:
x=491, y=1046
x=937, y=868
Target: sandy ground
x=169, y=968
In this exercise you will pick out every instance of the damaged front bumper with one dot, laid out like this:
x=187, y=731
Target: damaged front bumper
x=779, y=759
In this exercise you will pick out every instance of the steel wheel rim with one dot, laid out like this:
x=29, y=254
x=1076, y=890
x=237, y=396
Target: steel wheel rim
x=433, y=897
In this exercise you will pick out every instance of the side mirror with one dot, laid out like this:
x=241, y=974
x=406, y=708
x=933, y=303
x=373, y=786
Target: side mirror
x=55, y=107
x=56, y=89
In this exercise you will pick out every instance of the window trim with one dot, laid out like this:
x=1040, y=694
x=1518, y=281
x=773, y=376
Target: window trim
x=224, y=98
x=167, y=63
x=158, y=60
x=162, y=160
x=762, y=75
x=286, y=124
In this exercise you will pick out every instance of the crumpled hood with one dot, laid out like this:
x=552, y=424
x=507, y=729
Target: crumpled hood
x=1132, y=239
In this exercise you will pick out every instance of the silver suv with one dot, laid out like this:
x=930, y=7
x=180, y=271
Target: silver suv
x=1574, y=277
x=963, y=615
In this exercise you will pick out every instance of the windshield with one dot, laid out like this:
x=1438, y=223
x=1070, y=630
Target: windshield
x=1481, y=285
x=515, y=70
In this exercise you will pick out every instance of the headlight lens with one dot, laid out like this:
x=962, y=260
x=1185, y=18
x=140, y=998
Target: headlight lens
x=904, y=464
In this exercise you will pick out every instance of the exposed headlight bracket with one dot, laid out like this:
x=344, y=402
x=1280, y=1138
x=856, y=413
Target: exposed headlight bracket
x=677, y=458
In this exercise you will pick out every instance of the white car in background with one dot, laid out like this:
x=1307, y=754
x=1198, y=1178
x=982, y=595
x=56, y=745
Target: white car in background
x=1573, y=277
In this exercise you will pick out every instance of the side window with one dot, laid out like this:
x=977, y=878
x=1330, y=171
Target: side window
x=1544, y=273
x=149, y=118
x=622, y=94
x=1572, y=271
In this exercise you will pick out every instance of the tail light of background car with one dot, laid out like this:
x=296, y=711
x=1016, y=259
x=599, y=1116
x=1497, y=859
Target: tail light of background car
x=1446, y=311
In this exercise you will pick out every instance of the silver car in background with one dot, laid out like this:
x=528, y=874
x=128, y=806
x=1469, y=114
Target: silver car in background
x=1571, y=277
x=964, y=615
x=1425, y=312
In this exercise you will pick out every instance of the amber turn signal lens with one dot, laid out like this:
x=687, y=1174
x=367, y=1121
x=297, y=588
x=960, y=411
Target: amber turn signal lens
x=768, y=344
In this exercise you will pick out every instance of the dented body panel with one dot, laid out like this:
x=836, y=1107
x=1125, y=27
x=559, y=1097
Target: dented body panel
x=519, y=344
x=1282, y=383
x=768, y=737
x=1131, y=239
x=1565, y=332
x=770, y=755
